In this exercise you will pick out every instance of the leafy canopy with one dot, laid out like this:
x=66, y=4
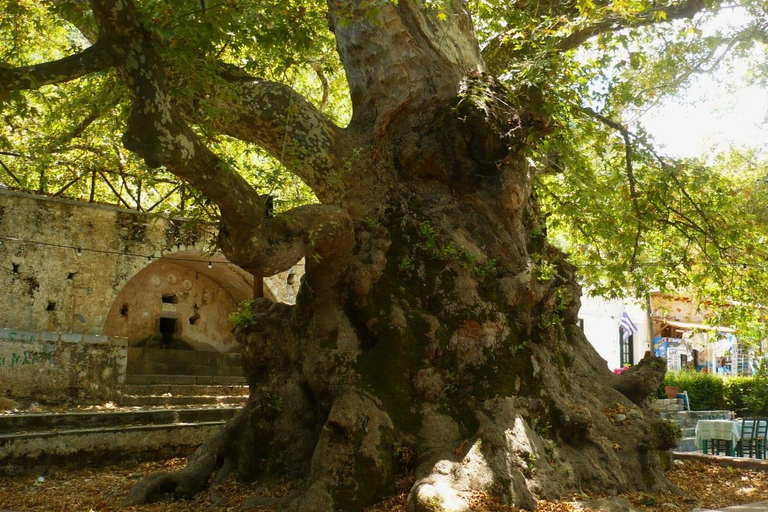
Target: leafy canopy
x=631, y=218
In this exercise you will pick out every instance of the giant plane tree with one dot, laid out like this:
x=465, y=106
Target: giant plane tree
x=436, y=328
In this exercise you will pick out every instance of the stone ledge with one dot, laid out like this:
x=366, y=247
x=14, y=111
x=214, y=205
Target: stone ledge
x=18, y=335
x=25, y=450
x=736, y=462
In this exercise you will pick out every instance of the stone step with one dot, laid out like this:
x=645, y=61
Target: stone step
x=689, y=431
x=190, y=380
x=170, y=400
x=186, y=369
x=669, y=405
x=24, y=423
x=186, y=389
x=21, y=452
x=688, y=444
x=146, y=361
x=669, y=401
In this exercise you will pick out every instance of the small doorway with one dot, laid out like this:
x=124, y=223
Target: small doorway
x=626, y=352
x=168, y=328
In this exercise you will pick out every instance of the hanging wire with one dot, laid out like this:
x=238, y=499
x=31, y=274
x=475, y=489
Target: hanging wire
x=79, y=251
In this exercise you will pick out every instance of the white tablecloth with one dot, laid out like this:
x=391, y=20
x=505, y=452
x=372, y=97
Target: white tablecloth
x=728, y=430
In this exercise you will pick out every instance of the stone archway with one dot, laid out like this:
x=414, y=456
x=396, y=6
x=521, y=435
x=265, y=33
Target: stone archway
x=175, y=315
x=181, y=300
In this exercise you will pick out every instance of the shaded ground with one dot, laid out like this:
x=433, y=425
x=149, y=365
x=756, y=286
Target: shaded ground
x=103, y=489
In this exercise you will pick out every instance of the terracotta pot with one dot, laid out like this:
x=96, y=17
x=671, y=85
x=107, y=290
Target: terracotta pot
x=671, y=391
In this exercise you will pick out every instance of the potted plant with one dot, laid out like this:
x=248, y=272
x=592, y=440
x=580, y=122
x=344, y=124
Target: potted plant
x=671, y=391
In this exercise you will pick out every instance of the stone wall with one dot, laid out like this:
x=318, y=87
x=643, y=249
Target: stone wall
x=682, y=309
x=62, y=263
x=56, y=367
x=284, y=287
x=98, y=273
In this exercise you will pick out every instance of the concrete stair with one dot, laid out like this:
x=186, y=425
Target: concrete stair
x=674, y=410
x=172, y=401
x=31, y=441
x=174, y=378
x=149, y=361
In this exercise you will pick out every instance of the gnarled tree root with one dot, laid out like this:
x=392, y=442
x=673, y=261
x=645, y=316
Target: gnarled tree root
x=194, y=477
x=352, y=462
x=498, y=460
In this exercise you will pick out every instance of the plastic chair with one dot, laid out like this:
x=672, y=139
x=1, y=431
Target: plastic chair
x=686, y=400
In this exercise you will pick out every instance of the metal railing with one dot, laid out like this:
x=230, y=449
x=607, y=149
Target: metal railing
x=161, y=194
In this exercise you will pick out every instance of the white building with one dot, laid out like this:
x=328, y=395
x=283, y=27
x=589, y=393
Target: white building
x=599, y=319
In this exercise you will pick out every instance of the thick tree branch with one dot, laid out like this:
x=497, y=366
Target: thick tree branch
x=504, y=48
x=276, y=118
x=92, y=59
x=319, y=232
x=433, y=55
x=157, y=132
x=614, y=23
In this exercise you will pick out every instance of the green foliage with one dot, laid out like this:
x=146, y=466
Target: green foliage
x=748, y=396
x=243, y=317
x=274, y=402
x=405, y=264
x=432, y=243
x=705, y=391
x=562, y=299
x=736, y=391
x=545, y=270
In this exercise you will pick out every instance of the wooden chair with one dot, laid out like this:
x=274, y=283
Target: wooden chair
x=759, y=437
x=754, y=432
x=746, y=444
x=717, y=447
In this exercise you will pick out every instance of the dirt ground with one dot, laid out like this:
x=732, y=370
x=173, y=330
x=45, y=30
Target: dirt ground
x=103, y=489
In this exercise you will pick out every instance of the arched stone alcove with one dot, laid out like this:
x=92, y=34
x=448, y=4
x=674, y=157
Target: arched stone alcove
x=181, y=301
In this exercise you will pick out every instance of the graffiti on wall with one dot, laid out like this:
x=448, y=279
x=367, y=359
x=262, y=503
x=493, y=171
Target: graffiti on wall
x=26, y=357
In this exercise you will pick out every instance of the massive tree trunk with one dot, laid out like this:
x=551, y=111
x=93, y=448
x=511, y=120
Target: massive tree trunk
x=436, y=329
